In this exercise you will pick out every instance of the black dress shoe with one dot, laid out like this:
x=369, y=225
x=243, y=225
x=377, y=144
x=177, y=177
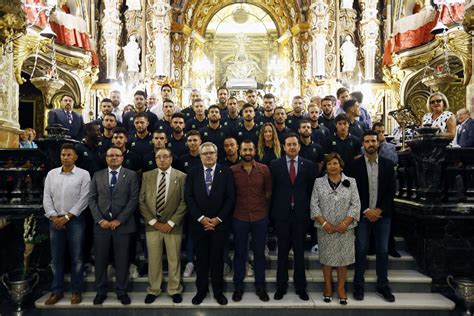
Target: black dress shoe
x=124, y=299
x=237, y=296
x=262, y=295
x=385, y=293
x=279, y=294
x=302, y=294
x=221, y=299
x=358, y=293
x=177, y=298
x=99, y=299
x=150, y=298
x=198, y=298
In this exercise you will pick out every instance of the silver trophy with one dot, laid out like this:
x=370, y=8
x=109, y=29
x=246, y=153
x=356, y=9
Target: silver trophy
x=19, y=286
x=464, y=289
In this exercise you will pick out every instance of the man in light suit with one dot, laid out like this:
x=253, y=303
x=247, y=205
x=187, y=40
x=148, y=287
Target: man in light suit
x=67, y=118
x=209, y=195
x=113, y=198
x=293, y=179
x=375, y=178
x=465, y=129
x=162, y=206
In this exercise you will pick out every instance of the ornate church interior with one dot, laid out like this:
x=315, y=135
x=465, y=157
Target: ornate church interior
x=397, y=54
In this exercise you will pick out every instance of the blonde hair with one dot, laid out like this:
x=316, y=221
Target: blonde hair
x=443, y=96
x=261, y=141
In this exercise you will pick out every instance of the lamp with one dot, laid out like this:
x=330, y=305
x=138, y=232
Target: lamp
x=439, y=28
x=47, y=32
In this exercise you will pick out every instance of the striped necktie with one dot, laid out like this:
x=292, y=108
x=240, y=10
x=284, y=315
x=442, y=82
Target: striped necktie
x=160, y=195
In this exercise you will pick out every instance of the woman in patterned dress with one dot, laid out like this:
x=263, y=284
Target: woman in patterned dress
x=438, y=116
x=335, y=209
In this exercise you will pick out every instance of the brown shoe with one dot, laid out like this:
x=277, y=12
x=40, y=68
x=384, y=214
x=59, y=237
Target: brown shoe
x=54, y=298
x=76, y=298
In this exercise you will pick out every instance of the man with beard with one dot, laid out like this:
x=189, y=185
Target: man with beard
x=116, y=99
x=131, y=160
x=141, y=142
x=233, y=119
x=279, y=117
x=268, y=108
x=252, y=99
x=310, y=149
x=346, y=145
x=191, y=158
x=215, y=132
x=67, y=118
x=253, y=190
x=105, y=140
x=106, y=107
x=327, y=116
x=376, y=199
x=177, y=142
x=297, y=114
x=165, y=123
x=231, y=149
x=140, y=106
x=247, y=129
x=199, y=120
x=320, y=134
x=159, y=140
x=342, y=95
x=222, y=95
x=352, y=109
x=189, y=112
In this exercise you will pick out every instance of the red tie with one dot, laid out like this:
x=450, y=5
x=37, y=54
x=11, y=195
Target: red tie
x=292, y=171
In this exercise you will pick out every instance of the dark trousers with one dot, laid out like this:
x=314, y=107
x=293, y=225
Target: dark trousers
x=258, y=231
x=209, y=251
x=104, y=239
x=291, y=234
x=381, y=230
x=88, y=236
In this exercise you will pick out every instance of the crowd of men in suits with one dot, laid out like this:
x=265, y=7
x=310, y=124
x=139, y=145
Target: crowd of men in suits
x=200, y=173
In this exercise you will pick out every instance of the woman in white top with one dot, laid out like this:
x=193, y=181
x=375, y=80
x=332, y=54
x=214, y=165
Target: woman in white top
x=439, y=116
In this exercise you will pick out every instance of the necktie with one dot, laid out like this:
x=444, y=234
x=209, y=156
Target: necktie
x=208, y=180
x=113, y=181
x=160, y=195
x=69, y=117
x=292, y=171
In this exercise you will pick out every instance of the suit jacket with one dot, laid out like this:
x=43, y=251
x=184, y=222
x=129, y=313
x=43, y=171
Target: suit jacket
x=58, y=116
x=219, y=202
x=175, y=207
x=466, y=134
x=386, y=184
x=283, y=189
x=121, y=202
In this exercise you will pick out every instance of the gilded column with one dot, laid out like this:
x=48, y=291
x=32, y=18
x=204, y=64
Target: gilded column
x=369, y=36
x=468, y=24
x=111, y=35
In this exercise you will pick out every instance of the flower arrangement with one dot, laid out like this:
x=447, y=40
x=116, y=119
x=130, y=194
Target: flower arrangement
x=31, y=238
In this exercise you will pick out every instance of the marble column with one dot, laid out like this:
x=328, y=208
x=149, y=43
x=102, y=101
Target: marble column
x=369, y=35
x=111, y=35
x=319, y=31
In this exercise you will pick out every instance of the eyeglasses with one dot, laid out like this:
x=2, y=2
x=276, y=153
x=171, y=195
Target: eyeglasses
x=113, y=156
x=162, y=157
x=436, y=101
x=208, y=153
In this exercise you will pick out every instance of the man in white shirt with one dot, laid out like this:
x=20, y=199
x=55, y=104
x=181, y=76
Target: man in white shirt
x=64, y=198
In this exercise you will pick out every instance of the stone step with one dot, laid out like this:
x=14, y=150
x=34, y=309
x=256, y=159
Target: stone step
x=409, y=281
x=405, y=304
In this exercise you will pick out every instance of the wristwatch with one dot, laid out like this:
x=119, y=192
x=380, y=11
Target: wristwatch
x=67, y=217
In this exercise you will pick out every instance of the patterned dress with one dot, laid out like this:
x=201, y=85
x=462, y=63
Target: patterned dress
x=335, y=250
x=441, y=121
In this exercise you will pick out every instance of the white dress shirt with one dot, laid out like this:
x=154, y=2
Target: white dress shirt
x=66, y=192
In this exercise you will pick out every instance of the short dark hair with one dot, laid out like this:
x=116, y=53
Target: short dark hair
x=141, y=114
x=369, y=133
x=68, y=146
x=279, y=108
x=247, y=141
x=166, y=85
x=140, y=92
x=326, y=98
x=67, y=95
x=178, y=115
x=357, y=95
x=303, y=121
x=269, y=96
x=231, y=137
x=160, y=132
x=168, y=101
x=377, y=124
x=233, y=97
x=342, y=117
x=348, y=104
x=291, y=135
x=247, y=105
x=214, y=106
x=120, y=130
x=106, y=100
x=113, y=147
x=167, y=149
x=223, y=88
x=250, y=91
x=90, y=127
x=193, y=132
x=332, y=156
x=340, y=91
x=112, y=115
x=198, y=100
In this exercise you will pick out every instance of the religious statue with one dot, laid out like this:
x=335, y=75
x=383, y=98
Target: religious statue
x=242, y=67
x=134, y=5
x=347, y=4
x=349, y=55
x=131, y=53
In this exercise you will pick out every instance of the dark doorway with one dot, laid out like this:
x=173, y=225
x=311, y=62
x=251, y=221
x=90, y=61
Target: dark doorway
x=27, y=114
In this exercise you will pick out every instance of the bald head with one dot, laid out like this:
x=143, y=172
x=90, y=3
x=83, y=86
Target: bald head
x=462, y=115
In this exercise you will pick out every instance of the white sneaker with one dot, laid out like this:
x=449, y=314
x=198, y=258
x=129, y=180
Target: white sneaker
x=188, y=270
x=110, y=272
x=133, y=271
x=249, y=270
x=315, y=249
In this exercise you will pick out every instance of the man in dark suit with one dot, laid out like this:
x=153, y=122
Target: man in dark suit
x=292, y=178
x=465, y=129
x=113, y=198
x=375, y=178
x=67, y=118
x=209, y=196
